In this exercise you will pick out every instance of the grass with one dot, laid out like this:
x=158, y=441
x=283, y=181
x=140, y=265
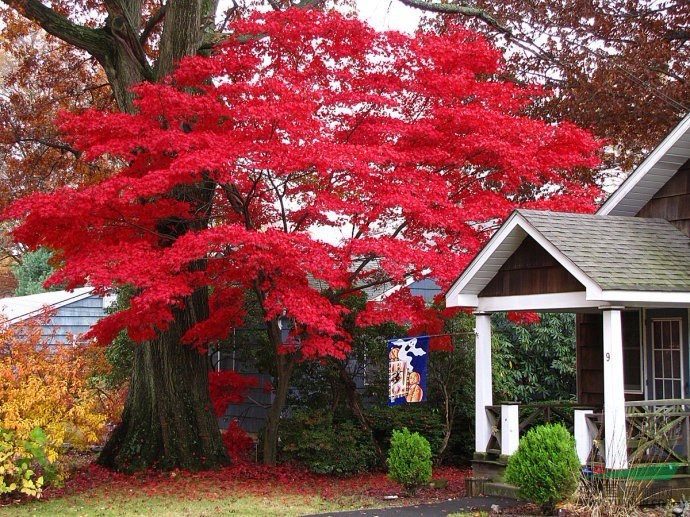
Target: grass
x=94, y=504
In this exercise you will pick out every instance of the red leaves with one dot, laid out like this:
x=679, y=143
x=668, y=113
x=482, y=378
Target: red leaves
x=523, y=318
x=409, y=149
x=250, y=478
x=238, y=443
x=228, y=387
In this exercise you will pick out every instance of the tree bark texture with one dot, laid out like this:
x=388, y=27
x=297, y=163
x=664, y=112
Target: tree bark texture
x=284, y=366
x=168, y=421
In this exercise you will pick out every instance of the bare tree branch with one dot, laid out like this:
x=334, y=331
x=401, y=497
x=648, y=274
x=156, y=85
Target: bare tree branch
x=154, y=20
x=94, y=41
x=60, y=146
x=456, y=8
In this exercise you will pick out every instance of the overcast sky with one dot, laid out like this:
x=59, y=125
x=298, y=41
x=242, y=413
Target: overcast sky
x=389, y=14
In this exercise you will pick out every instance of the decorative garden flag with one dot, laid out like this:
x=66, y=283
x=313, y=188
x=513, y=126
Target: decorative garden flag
x=407, y=364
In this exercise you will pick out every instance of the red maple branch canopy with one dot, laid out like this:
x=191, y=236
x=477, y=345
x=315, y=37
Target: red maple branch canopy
x=407, y=147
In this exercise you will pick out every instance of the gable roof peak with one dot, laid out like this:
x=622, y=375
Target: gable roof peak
x=652, y=174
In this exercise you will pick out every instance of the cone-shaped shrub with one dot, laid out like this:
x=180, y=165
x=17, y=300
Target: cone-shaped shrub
x=409, y=459
x=545, y=468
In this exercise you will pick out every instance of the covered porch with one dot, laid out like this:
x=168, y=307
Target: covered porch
x=627, y=280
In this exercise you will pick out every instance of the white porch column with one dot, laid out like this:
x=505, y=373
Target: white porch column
x=483, y=383
x=583, y=434
x=614, y=395
x=510, y=429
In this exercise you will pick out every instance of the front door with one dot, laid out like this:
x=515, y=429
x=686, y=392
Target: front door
x=667, y=358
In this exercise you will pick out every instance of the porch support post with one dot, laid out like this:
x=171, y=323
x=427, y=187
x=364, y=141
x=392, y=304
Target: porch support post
x=510, y=429
x=583, y=434
x=616, y=450
x=482, y=380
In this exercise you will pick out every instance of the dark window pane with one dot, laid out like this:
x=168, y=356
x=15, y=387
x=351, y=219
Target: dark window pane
x=659, y=389
x=667, y=355
x=675, y=335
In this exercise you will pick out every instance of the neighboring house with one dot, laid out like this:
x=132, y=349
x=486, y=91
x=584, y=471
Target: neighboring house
x=625, y=272
x=251, y=414
x=72, y=313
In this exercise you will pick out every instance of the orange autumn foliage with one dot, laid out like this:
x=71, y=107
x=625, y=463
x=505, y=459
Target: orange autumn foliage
x=53, y=387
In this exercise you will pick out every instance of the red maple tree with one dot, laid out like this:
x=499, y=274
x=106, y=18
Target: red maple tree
x=409, y=149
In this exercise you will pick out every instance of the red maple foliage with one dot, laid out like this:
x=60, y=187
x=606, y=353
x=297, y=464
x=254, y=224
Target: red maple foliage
x=238, y=443
x=409, y=149
x=411, y=144
x=229, y=387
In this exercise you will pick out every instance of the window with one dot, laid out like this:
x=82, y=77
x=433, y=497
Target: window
x=632, y=352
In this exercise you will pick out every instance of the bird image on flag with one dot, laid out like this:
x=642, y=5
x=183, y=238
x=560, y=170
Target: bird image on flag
x=407, y=366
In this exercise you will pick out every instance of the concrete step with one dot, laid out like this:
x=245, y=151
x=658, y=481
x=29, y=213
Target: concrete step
x=497, y=489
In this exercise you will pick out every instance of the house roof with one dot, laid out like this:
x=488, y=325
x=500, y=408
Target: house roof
x=19, y=308
x=610, y=256
x=621, y=253
x=651, y=174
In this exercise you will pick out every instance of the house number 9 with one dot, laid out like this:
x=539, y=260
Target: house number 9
x=608, y=357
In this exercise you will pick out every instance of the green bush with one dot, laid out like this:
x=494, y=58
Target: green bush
x=409, y=459
x=18, y=461
x=545, y=468
x=420, y=418
x=326, y=446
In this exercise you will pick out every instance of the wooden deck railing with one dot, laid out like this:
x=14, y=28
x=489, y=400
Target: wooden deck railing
x=531, y=415
x=658, y=432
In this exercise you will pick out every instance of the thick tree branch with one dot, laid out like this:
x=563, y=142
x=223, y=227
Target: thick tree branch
x=93, y=41
x=455, y=8
x=152, y=22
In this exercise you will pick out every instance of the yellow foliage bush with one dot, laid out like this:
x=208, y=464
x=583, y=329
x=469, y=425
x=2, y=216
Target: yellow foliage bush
x=52, y=388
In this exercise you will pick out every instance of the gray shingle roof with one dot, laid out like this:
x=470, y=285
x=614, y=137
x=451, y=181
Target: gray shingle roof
x=619, y=253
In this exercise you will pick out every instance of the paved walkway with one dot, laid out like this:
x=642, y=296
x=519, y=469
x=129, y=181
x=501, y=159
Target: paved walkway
x=462, y=504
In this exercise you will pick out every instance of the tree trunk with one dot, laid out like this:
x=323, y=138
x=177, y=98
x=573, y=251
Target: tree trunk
x=449, y=416
x=355, y=404
x=284, y=366
x=168, y=422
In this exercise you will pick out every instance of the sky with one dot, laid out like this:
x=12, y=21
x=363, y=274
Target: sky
x=389, y=15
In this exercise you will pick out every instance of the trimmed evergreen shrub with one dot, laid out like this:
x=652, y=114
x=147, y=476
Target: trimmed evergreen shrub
x=545, y=468
x=326, y=446
x=420, y=418
x=409, y=459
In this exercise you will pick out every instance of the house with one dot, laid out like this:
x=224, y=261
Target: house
x=625, y=272
x=72, y=313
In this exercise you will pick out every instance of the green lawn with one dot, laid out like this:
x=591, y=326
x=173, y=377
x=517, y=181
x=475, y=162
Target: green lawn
x=93, y=503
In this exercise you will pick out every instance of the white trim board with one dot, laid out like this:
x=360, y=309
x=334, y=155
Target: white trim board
x=657, y=169
x=501, y=246
x=572, y=300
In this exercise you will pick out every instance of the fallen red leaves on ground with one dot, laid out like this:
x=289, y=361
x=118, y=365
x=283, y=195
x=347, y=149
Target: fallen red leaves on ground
x=254, y=479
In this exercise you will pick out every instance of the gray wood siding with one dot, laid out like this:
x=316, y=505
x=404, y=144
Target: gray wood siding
x=73, y=319
x=672, y=201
